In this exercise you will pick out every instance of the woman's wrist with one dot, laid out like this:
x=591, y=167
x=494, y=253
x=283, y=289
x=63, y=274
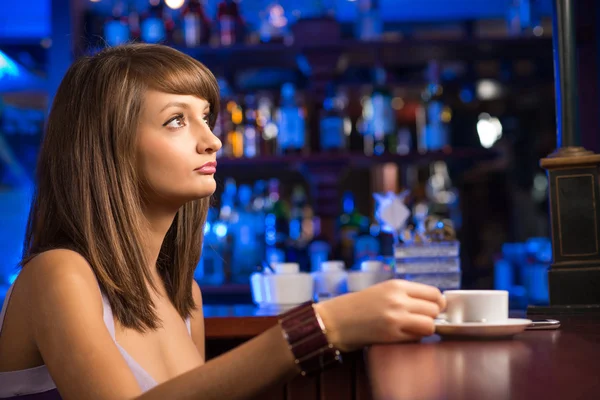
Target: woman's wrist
x=330, y=330
x=306, y=335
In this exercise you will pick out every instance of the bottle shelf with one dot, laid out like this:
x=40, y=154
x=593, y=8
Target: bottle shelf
x=357, y=160
x=404, y=52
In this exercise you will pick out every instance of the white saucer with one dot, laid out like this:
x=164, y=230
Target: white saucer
x=510, y=327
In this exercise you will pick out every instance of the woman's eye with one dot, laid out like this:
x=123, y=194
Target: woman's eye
x=176, y=122
x=206, y=118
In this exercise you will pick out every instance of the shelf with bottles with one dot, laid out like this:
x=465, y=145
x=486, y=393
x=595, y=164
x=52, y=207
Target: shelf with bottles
x=251, y=223
x=347, y=127
x=359, y=160
x=228, y=33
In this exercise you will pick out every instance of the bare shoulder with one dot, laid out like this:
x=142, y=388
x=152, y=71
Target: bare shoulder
x=197, y=320
x=65, y=309
x=59, y=272
x=58, y=263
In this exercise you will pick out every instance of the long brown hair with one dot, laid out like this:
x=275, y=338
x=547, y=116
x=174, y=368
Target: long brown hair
x=88, y=195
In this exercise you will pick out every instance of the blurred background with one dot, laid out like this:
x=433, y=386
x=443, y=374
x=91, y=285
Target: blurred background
x=324, y=104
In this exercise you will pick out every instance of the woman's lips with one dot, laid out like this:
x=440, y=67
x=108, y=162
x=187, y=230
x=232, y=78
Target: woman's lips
x=208, y=168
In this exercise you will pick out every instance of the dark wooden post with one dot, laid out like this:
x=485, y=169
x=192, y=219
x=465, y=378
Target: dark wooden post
x=573, y=174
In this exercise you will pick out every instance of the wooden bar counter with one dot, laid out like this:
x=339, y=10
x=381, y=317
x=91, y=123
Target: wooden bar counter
x=563, y=364
x=229, y=326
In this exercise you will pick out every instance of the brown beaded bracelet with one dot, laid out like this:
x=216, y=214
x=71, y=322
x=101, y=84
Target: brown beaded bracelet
x=305, y=333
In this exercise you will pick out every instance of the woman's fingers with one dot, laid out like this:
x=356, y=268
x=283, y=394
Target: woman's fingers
x=423, y=307
x=425, y=292
x=417, y=324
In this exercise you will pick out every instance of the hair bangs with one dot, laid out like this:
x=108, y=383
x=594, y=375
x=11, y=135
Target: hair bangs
x=178, y=73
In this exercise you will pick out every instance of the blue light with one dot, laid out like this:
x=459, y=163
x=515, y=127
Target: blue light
x=14, y=210
x=12, y=278
x=295, y=229
x=374, y=230
x=270, y=236
x=348, y=203
x=220, y=229
x=25, y=19
x=270, y=220
x=466, y=95
x=207, y=227
x=7, y=67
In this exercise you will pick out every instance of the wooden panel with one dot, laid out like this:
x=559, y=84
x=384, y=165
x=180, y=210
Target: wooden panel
x=337, y=382
x=362, y=388
x=303, y=388
x=237, y=327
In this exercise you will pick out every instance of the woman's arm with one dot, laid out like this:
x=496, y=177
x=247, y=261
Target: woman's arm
x=197, y=322
x=66, y=320
x=241, y=373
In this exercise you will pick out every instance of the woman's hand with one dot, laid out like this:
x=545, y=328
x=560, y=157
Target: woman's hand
x=391, y=311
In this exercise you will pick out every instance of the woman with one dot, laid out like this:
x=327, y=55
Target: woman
x=105, y=306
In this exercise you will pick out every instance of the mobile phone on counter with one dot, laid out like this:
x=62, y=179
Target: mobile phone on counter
x=543, y=324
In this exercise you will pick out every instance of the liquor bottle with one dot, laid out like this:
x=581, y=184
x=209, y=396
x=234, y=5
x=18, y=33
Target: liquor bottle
x=229, y=22
x=432, y=117
x=350, y=224
x=251, y=139
x=153, y=28
x=356, y=138
x=291, y=120
x=274, y=27
x=332, y=133
x=234, y=130
x=211, y=269
x=383, y=120
x=245, y=254
x=116, y=31
x=196, y=25
x=369, y=25
x=276, y=225
x=259, y=204
x=223, y=226
x=267, y=127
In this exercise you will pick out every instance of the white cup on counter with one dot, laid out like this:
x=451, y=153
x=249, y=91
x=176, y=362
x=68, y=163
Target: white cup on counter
x=371, y=273
x=287, y=286
x=479, y=306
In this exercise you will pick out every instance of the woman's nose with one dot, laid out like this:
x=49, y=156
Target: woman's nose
x=208, y=142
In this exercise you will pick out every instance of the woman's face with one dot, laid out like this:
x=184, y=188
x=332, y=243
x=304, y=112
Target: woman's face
x=176, y=150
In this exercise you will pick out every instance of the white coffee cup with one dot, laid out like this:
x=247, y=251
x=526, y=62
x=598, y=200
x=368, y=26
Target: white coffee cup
x=288, y=288
x=286, y=268
x=480, y=306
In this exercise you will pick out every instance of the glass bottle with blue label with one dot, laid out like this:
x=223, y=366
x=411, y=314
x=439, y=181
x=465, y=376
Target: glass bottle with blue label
x=434, y=131
x=332, y=134
x=245, y=257
x=291, y=120
x=383, y=119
